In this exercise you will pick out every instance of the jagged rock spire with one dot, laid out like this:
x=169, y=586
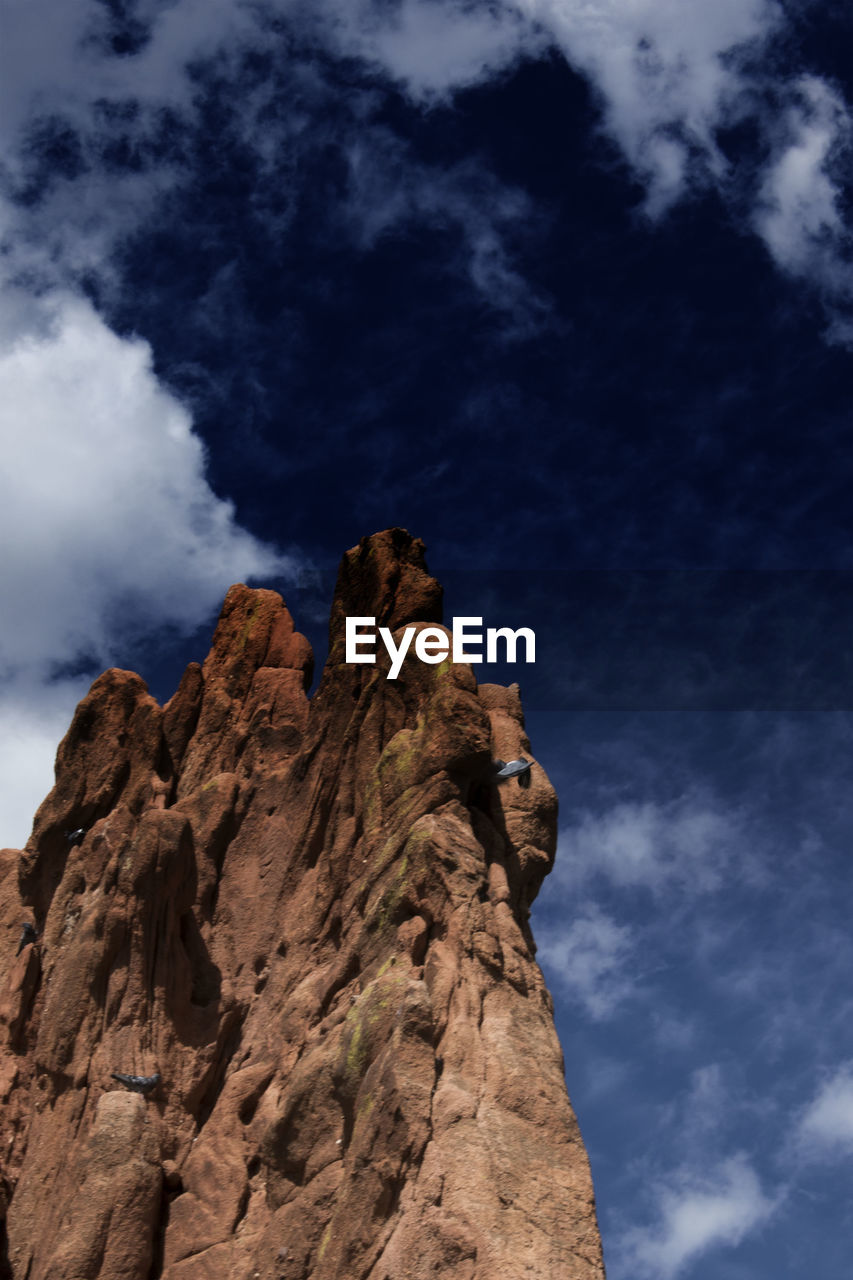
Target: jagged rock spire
x=309, y=920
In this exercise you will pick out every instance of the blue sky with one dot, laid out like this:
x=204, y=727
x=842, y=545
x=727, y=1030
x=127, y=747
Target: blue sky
x=565, y=287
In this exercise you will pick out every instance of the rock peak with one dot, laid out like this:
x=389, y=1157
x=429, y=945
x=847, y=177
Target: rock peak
x=299, y=930
x=385, y=577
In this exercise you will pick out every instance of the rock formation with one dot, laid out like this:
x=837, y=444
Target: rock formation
x=309, y=918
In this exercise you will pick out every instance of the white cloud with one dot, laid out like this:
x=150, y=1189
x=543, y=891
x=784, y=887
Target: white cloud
x=108, y=525
x=41, y=61
x=695, y=1214
x=434, y=48
x=798, y=214
x=56, y=57
x=105, y=514
x=825, y=1127
x=689, y=842
x=35, y=717
x=83, y=215
x=667, y=72
x=589, y=958
x=60, y=74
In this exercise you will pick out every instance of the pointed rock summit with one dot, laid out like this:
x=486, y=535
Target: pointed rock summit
x=306, y=923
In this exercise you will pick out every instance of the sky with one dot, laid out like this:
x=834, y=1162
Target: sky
x=564, y=287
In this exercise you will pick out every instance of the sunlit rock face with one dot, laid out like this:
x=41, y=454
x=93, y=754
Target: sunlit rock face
x=310, y=919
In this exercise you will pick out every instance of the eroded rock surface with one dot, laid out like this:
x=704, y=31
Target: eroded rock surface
x=311, y=919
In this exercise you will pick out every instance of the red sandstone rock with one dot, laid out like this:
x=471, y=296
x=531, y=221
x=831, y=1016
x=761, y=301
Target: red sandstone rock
x=311, y=919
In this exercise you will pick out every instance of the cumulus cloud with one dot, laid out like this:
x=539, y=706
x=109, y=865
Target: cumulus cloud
x=825, y=1127
x=688, y=842
x=108, y=525
x=105, y=513
x=696, y=1213
x=589, y=958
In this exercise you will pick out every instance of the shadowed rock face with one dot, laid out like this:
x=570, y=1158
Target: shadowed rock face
x=311, y=920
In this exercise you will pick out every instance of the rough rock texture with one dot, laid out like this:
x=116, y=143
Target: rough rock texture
x=311, y=919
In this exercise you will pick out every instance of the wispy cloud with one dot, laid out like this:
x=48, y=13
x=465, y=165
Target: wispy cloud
x=707, y=1100
x=800, y=200
x=389, y=192
x=668, y=75
x=731, y=985
x=695, y=1213
x=798, y=203
x=589, y=959
x=670, y=78
x=67, y=58
x=433, y=48
x=93, y=142
x=824, y=1131
x=687, y=842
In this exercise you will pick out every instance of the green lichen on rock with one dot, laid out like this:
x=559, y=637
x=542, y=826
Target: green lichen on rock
x=398, y=765
x=366, y=1103
x=368, y=1023
x=402, y=821
x=380, y=915
x=356, y=1052
x=324, y=1242
x=249, y=623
